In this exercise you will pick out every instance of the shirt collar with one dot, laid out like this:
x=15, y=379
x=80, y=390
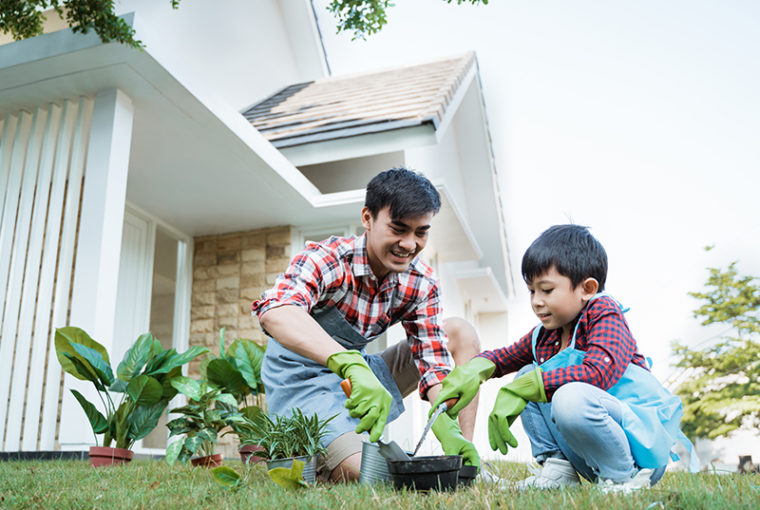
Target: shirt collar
x=361, y=267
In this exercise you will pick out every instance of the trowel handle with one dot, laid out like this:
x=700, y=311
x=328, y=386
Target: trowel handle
x=450, y=402
x=345, y=385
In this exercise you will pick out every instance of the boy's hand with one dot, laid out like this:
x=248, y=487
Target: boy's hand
x=463, y=384
x=453, y=442
x=510, y=402
x=369, y=400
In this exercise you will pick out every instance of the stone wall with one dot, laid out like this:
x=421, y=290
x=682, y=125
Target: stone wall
x=229, y=272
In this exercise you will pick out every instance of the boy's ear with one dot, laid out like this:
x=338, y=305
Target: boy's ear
x=589, y=287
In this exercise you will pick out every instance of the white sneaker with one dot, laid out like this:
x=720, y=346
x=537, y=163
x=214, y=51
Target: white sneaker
x=640, y=480
x=555, y=473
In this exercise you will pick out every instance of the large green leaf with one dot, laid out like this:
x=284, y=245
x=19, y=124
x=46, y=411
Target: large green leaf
x=144, y=419
x=96, y=361
x=135, y=358
x=289, y=478
x=118, y=386
x=97, y=420
x=144, y=390
x=180, y=426
x=188, y=387
x=194, y=443
x=221, y=343
x=248, y=356
x=64, y=337
x=177, y=360
x=253, y=414
x=172, y=451
x=220, y=372
x=169, y=391
x=157, y=361
x=226, y=398
x=82, y=366
x=226, y=476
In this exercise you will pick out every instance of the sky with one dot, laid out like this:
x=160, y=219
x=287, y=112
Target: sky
x=638, y=119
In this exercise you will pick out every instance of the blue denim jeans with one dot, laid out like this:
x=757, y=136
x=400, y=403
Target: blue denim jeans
x=582, y=424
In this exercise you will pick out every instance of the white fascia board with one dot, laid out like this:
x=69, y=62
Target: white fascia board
x=360, y=145
x=456, y=101
x=480, y=286
x=452, y=236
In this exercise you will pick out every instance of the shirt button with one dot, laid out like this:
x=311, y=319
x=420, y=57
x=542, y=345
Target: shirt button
x=542, y=360
x=556, y=343
x=606, y=359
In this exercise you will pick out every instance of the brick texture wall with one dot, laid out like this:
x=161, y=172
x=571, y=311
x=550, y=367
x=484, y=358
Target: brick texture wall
x=229, y=272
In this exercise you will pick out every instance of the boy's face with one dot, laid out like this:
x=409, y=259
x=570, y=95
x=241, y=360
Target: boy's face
x=393, y=244
x=554, y=300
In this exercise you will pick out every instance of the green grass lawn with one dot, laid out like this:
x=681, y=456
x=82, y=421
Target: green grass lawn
x=153, y=484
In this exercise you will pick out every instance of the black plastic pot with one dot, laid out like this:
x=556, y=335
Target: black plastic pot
x=426, y=473
x=467, y=474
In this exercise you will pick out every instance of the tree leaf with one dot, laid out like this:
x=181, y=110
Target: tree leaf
x=97, y=420
x=144, y=390
x=135, y=358
x=188, y=387
x=226, y=476
x=96, y=361
x=221, y=373
x=172, y=451
x=64, y=337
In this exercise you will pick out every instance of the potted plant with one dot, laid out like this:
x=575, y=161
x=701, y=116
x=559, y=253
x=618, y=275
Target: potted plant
x=286, y=439
x=237, y=371
x=143, y=378
x=208, y=411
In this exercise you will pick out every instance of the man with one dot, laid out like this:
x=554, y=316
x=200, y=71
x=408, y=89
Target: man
x=337, y=296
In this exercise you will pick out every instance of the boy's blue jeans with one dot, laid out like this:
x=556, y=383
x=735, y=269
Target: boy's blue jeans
x=582, y=425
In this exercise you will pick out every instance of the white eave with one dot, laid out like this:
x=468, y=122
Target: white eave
x=480, y=286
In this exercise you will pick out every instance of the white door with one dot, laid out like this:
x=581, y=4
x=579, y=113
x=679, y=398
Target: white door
x=153, y=295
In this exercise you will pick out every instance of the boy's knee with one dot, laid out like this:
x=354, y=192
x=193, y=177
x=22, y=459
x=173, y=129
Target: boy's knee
x=568, y=403
x=463, y=341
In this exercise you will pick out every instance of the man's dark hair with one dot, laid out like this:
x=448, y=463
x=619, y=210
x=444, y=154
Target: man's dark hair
x=572, y=250
x=407, y=193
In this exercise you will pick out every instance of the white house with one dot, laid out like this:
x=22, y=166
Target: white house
x=164, y=189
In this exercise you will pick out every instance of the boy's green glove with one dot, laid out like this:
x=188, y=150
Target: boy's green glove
x=453, y=442
x=510, y=402
x=369, y=399
x=463, y=384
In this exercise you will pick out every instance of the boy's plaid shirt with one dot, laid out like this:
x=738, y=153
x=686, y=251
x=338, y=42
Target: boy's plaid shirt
x=336, y=273
x=603, y=334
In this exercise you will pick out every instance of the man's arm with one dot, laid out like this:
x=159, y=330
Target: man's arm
x=296, y=330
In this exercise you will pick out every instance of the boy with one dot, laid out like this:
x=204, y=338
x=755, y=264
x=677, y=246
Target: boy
x=589, y=404
x=340, y=294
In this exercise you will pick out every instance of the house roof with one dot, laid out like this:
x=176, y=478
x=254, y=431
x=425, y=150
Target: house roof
x=338, y=107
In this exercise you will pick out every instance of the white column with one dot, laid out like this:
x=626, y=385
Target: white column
x=93, y=304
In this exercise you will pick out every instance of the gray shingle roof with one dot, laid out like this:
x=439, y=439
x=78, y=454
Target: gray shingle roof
x=341, y=106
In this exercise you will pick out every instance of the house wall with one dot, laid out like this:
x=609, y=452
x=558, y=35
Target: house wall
x=230, y=271
x=240, y=50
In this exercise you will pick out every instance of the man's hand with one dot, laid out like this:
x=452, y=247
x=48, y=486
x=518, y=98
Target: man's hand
x=453, y=442
x=510, y=402
x=463, y=384
x=369, y=400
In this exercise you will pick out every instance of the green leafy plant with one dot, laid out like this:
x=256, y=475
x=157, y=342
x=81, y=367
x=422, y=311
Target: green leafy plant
x=237, y=371
x=289, y=478
x=283, y=437
x=143, y=378
x=207, y=412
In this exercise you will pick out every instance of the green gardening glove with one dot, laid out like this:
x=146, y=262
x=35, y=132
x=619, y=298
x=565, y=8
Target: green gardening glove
x=510, y=402
x=369, y=399
x=453, y=442
x=463, y=384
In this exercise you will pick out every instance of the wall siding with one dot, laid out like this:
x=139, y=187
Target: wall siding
x=42, y=157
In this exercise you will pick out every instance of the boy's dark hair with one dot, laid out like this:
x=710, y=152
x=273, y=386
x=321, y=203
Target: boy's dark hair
x=407, y=193
x=572, y=250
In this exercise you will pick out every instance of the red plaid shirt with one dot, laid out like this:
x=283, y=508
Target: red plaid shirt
x=603, y=334
x=336, y=273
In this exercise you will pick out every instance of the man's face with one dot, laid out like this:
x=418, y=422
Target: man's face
x=554, y=299
x=392, y=244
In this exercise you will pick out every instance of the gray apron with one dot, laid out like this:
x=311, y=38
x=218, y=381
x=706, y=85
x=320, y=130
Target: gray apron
x=292, y=380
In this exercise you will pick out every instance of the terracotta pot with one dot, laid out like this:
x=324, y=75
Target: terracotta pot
x=246, y=454
x=208, y=461
x=107, y=456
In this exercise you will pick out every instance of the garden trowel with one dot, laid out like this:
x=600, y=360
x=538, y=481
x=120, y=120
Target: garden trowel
x=442, y=408
x=388, y=449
